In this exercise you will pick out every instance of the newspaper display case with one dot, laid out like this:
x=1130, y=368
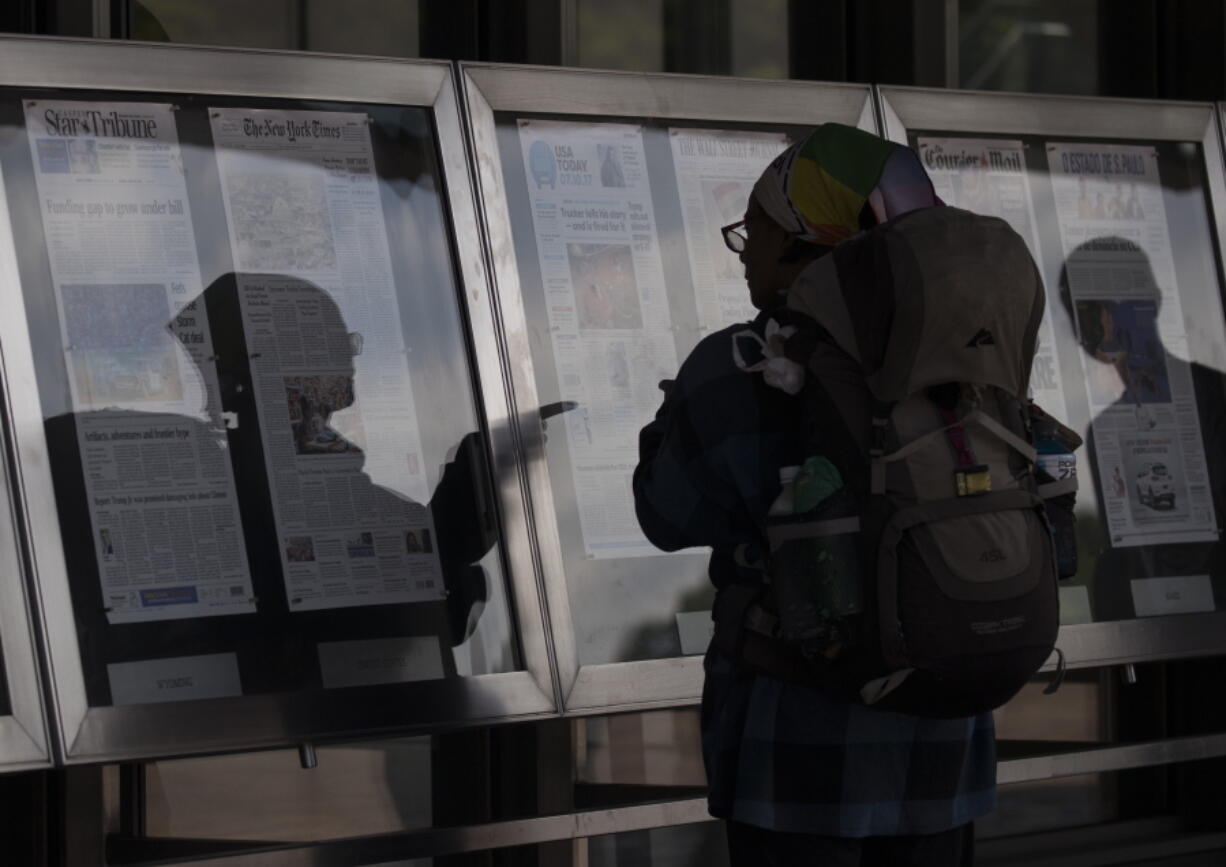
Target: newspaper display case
x=603, y=197
x=23, y=730
x=1121, y=202
x=268, y=472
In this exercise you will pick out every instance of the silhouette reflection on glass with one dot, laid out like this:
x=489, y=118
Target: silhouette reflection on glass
x=387, y=526
x=191, y=536
x=1158, y=469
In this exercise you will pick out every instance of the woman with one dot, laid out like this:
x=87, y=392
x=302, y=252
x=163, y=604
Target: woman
x=801, y=776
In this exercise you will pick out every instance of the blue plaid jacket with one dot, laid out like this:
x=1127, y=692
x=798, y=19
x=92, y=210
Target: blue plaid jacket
x=778, y=755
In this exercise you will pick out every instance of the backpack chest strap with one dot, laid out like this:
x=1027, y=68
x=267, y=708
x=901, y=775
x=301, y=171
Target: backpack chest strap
x=879, y=459
x=964, y=452
x=970, y=477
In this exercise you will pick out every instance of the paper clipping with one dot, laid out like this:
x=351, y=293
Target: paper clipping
x=695, y=629
x=177, y=678
x=1181, y=594
x=1146, y=430
x=989, y=177
x=162, y=502
x=716, y=170
x=609, y=320
x=328, y=358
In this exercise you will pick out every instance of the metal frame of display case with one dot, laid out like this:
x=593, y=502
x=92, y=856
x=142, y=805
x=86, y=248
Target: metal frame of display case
x=213, y=725
x=1148, y=639
x=23, y=733
x=490, y=88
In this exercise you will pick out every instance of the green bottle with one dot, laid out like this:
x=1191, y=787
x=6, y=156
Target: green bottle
x=815, y=568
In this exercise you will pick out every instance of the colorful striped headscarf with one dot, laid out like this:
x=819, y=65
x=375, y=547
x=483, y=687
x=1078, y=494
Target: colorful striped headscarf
x=817, y=188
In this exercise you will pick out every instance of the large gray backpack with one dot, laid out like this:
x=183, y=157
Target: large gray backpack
x=925, y=581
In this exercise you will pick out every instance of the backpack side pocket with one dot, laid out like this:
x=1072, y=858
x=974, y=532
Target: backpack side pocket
x=966, y=593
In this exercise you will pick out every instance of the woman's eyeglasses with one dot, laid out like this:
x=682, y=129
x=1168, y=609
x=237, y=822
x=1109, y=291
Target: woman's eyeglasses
x=735, y=236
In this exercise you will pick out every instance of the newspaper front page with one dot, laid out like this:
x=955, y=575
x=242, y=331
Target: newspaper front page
x=1125, y=295
x=716, y=170
x=163, y=508
x=988, y=176
x=324, y=330
x=609, y=321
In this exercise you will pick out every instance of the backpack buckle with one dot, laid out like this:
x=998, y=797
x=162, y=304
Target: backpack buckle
x=973, y=481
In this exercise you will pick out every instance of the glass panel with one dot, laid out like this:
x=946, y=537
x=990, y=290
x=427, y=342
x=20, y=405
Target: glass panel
x=1132, y=351
x=356, y=790
x=364, y=789
x=374, y=27
x=659, y=749
x=679, y=846
x=1035, y=46
x=729, y=37
x=626, y=35
x=760, y=39
x=1022, y=808
x=1078, y=715
x=642, y=757
x=1046, y=805
x=240, y=312
x=623, y=270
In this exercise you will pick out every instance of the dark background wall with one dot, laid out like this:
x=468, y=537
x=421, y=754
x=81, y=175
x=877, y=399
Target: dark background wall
x=1138, y=48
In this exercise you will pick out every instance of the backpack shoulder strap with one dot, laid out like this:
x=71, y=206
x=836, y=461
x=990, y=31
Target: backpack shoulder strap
x=834, y=398
x=879, y=441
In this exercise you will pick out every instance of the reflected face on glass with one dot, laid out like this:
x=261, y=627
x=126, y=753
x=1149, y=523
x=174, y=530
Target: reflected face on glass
x=1107, y=321
x=318, y=397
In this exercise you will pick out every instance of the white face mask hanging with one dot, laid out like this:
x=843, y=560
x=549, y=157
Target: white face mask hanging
x=778, y=371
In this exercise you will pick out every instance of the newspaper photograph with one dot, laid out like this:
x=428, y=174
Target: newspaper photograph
x=609, y=321
x=144, y=394
x=1129, y=320
x=338, y=417
x=989, y=177
x=716, y=170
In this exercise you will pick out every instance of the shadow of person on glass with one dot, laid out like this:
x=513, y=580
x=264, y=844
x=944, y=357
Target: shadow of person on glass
x=1146, y=480
x=1116, y=335
x=139, y=472
x=306, y=382
x=167, y=548
x=1140, y=444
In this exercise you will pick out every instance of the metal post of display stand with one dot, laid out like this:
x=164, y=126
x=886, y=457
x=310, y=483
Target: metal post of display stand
x=23, y=803
x=77, y=804
x=306, y=757
x=1139, y=708
x=460, y=785
x=132, y=799
x=506, y=773
x=554, y=742
x=1197, y=704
